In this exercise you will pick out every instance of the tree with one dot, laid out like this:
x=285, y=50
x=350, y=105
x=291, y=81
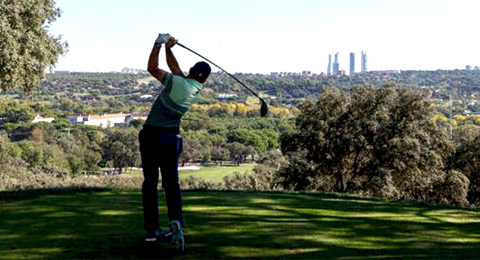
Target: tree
x=194, y=121
x=381, y=142
x=192, y=150
x=26, y=48
x=122, y=148
x=9, y=156
x=238, y=152
x=466, y=159
x=136, y=123
x=266, y=171
x=15, y=112
x=220, y=153
x=255, y=138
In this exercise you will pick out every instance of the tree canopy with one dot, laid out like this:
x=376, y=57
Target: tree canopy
x=26, y=47
x=379, y=142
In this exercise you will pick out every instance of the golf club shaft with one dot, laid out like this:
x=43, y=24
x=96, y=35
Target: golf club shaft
x=201, y=56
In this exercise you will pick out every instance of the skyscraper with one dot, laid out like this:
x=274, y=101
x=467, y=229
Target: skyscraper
x=364, y=61
x=336, y=65
x=352, y=63
x=329, y=71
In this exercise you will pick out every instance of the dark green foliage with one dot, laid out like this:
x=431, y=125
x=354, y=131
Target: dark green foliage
x=372, y=141
x=193, y=151
x=26, y=48
x=121, y=147
x=362, y=130
x=467, y=159
x=266, y=171
x=15, y=112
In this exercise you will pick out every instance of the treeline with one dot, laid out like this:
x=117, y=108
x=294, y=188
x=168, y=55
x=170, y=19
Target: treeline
x=115, y=92
x=62, y=149
x=288, y=89
x=388, y=141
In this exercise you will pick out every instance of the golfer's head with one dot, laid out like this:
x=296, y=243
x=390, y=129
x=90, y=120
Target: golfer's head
x=200, y=71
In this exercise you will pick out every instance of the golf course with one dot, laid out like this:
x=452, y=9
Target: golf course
x=96, y=223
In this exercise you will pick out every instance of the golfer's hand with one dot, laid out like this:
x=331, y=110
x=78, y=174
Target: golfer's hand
x=162, y=38
x=171, y=42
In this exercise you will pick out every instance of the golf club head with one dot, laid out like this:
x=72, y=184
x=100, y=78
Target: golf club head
x=263, y=108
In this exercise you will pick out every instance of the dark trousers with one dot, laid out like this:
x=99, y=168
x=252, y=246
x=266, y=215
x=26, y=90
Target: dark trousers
x=160, y=148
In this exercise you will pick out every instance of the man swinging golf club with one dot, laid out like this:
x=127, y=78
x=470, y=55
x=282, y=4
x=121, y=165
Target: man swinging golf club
x=161, y=142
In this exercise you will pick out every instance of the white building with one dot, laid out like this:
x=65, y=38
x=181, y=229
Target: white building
x=38, y=118
x=103, y=120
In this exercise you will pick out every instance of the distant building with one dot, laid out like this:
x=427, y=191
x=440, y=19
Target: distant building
x=133, y=71
x=135, y=116
x=364, y=62
x=336, y=65
x=227, y=96
x=103, y=120
x=38, y=118
x=352, y=63
x=146, y=96
x=62, y=72
x=329, y=69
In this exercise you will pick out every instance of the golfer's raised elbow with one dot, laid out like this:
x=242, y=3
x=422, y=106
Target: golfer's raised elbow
x=151, y=69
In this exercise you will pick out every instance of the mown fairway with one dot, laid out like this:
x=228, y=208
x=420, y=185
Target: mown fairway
x=108, y=225
x=210, y=173
x=217, y=173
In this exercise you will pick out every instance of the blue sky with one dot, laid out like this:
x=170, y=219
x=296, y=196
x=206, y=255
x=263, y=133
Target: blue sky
x=263, y=36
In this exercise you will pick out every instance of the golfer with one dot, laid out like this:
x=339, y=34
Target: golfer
x=161, y=142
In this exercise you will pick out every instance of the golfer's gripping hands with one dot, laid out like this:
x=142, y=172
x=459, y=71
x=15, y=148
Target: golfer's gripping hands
x=161, y=39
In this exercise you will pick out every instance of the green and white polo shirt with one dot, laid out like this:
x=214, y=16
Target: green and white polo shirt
x=173, y=101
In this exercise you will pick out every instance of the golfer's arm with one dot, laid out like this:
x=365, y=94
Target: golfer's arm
x=173, y=63
x=153, y=64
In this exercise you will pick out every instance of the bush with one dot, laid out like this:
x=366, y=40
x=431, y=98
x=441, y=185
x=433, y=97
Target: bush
x=452, y=188
x=240, y=181
x=197, y=183
x=266, y=171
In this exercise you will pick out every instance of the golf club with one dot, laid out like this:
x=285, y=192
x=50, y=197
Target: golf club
x=263, y=107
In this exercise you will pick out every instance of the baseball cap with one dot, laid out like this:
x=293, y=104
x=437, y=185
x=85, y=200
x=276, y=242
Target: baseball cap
x=201, y=70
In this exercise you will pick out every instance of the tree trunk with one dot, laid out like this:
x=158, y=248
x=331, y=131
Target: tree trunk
x=340, y=184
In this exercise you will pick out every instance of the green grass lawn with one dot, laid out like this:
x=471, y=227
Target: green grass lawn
x=210, y=173
x=225, y=225
x=217, y=173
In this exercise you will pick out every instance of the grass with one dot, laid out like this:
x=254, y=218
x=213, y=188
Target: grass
x=107, y=224
x=211, y=173
x=217, y=173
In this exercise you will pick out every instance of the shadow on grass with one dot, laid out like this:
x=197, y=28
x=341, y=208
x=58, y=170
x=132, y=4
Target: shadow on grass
x=109, y=225
x=18, y=194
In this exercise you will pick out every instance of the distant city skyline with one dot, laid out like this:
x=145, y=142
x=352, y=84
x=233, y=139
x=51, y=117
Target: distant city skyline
x=263, y=36
x=337, y=69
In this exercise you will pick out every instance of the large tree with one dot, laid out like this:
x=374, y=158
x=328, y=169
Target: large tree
x=376, y=141
x=26, y=47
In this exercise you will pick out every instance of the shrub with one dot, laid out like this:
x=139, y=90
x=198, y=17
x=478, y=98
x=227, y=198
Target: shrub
x=240, y=181
x=197, y=183
x=451, y=188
